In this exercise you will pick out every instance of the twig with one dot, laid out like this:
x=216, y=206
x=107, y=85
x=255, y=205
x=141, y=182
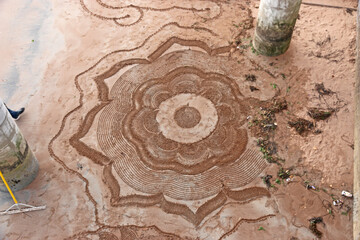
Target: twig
x=329, y=6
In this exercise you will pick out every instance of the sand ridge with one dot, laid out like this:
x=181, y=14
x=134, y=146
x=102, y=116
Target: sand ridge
x=142, y=186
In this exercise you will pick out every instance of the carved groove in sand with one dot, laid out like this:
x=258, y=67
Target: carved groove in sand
x=213, y=165
x=129, y=232
x=129, y=14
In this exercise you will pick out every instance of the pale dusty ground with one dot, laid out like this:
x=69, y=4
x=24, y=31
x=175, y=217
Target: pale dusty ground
x=92, y=184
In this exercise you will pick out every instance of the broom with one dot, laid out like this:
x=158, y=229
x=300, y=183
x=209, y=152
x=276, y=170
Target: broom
x=17, y=207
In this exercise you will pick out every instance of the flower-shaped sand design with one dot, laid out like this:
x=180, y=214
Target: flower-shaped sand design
x=171, y=128
x=187, y=121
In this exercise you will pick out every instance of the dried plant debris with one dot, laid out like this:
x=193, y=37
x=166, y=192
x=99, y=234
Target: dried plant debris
x=264, y=125
x=302, y=126
x=313, y=228
x=348, y=141
x=250, y=77
x=278, y=106
x=269, y=150
x=267, y=120
x=252, y=89
x=320, y=88
x=267, y=146
x=284, y=173
x=350, y=11
x=319, y=114
x=331, y=100
x=266, y=180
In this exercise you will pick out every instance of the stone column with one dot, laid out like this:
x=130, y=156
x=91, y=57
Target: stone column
x=17, y=162
x=275, y=25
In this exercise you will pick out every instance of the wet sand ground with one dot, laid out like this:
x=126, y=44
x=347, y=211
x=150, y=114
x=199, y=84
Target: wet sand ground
x=94, y=76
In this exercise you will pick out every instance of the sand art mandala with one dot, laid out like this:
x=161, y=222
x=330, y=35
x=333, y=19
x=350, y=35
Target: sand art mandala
x=172, y=128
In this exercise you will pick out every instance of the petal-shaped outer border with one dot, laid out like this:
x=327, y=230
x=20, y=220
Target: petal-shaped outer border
x=100, y=159
x=152, y=178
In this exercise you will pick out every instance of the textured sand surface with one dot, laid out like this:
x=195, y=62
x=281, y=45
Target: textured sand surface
x=138, y=112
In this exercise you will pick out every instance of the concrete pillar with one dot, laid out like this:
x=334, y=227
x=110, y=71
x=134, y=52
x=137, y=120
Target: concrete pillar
x=17, y=162
x=275, y=25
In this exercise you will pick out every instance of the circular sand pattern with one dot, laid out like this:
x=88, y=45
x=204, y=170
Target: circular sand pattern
x=139, y=130
x=186, y=118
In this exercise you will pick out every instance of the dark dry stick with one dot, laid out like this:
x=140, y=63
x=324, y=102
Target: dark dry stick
x=328, y=6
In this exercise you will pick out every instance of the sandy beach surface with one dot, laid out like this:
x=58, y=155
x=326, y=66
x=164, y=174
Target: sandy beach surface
x=158, y=120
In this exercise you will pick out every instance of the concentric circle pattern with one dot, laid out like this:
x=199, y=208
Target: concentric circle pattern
x=186, y=118
x=175, y=127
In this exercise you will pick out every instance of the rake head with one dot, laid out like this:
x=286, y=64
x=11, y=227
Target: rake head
x=21, y=208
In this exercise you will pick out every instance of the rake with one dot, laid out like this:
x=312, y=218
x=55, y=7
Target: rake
x=17, y=207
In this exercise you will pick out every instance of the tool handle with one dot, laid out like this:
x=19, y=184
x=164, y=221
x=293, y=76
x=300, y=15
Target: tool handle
x=8, y=188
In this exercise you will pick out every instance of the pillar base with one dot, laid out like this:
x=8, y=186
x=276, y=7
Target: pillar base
x=22, y=175
x=270, y=48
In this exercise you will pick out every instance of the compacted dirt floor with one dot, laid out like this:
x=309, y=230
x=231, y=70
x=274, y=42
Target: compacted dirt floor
x=159, y=120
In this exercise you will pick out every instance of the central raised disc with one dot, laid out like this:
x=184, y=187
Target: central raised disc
x=187, y=117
